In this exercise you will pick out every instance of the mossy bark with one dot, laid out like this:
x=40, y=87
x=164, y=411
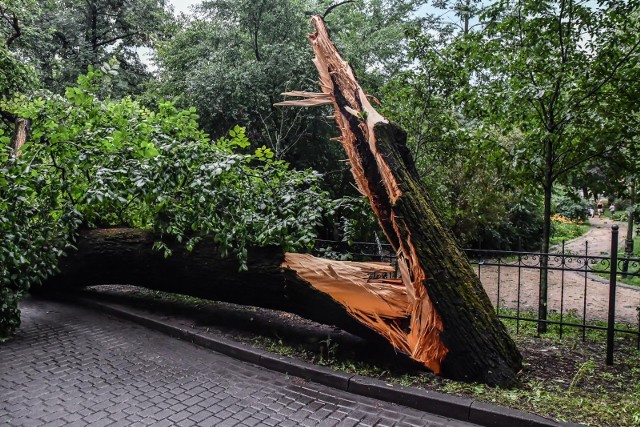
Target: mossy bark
x=479, y=347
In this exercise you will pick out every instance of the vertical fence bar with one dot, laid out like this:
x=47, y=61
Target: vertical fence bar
x=584, y=296
x=498, y=298
x=562, y=288
x=518, y=298
x=543, y=299
x=612, y=293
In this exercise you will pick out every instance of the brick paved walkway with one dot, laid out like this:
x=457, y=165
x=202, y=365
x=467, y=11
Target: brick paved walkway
x=74, y=367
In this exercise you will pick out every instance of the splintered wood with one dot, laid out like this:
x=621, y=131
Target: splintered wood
x=399, y=309
x=380, y=303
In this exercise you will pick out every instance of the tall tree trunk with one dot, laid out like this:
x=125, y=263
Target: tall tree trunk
x=21, y=131
x=628, y=246
x=450, y=324
x=546, y=237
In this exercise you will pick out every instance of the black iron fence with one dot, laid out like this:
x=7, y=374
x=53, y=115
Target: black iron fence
x=584, y=292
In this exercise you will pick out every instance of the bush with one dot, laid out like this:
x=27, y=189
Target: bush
x=570, y=207
x=621, y=216
x=564, y=230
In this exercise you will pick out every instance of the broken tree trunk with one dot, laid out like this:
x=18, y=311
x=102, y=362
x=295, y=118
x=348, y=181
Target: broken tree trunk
x=437, y=312
x=126, y=256
x=448, y=322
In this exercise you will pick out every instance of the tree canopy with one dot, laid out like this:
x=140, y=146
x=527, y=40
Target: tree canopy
x=91, y=162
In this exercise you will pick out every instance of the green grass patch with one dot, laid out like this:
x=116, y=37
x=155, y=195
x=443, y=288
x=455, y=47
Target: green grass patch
x=565, y=231
x=633, y=276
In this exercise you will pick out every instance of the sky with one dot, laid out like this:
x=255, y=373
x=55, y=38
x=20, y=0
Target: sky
x=183, y=5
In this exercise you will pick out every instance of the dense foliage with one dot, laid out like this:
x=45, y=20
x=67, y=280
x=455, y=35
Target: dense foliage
x=61, y=38
x=517, y=97
x=506, y=104
x=233, y=59
x=93, y=162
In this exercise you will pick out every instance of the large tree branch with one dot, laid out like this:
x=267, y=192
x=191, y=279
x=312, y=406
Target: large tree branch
x=571, y=165
x=117, y=38
x=14, y=22
x=21, y=134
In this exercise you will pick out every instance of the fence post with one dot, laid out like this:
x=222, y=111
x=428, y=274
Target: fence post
x=612, y=293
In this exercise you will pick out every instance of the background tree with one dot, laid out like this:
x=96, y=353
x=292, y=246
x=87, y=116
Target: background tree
x=73, y=34
x=548, y=67
x=15, y=75
x=233, y=59
x=470, y=183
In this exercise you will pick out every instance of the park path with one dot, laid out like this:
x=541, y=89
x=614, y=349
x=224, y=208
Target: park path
x=575, y=283
x=71, y=366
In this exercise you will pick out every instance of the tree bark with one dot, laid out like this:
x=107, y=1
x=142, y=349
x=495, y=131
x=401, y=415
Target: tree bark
x=21, y=131
x=450, y=324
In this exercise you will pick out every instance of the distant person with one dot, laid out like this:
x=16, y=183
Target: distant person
x=612, y=209
x=591, y=212
x=600, y=209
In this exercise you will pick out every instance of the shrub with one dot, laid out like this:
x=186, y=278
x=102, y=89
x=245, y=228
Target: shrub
x=570, y=207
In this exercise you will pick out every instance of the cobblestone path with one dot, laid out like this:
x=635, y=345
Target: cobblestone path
x=70, y=366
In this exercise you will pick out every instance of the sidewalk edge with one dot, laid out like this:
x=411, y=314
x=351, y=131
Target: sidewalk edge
x=445, y=405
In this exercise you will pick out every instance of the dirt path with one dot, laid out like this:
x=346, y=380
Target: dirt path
x=572, y=292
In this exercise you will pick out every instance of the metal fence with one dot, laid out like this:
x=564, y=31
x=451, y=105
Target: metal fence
x=584, y=292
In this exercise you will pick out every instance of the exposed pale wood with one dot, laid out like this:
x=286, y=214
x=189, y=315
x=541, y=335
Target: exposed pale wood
x=310, y=99
x=304, y=94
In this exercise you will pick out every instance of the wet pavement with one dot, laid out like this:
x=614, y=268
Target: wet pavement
x=71, y=366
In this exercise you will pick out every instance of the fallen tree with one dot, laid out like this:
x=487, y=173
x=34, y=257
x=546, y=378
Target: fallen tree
x=436, y=312
x=127, y=256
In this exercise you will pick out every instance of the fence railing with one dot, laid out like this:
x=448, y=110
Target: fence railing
x=583, y=288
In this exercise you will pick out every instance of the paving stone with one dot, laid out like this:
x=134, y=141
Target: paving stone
x=75, y=367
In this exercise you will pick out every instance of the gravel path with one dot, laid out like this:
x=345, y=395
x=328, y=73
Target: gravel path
x=575, y=283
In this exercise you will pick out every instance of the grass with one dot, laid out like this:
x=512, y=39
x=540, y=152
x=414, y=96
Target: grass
x=633, y=267
x=563, y=377
x=565, y=231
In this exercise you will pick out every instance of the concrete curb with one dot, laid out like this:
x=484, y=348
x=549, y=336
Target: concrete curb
x=449, y=406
